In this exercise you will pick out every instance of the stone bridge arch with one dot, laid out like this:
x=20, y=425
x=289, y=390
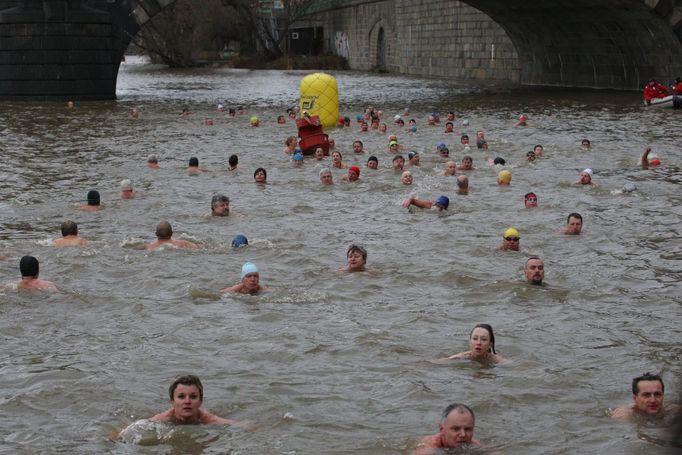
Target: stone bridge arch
x=67, y=49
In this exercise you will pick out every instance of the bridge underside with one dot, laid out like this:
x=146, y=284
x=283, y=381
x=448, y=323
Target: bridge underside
x=588, y=43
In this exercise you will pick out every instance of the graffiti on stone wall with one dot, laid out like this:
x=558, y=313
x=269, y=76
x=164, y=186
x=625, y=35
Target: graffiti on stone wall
x=341, y=43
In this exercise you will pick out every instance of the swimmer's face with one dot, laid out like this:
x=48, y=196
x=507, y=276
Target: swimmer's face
x=186, y=403
x=383, y=128
x=585, y=178
x=414, y=161
x=326, y=178
x=585, y=143
x=355, y=261
x=574, y=226
x=535, y=271
x=260, y=177
x=457, y=429
x=412, y=122
x=511, y=243
x=250, y=282
x=480, y=134
x=281, y=119
x=352, y=175
x=222, y=208
x=393, y=147
x=538, y=150
x=649, y=398
x=449, y=128
x=357, y=147
x=406, y=178
x=319, y=154
x=431, y=120
x=451, y=167
x=531, y=201
x=450, y=117
x=479, y=343
x=464, y=141
x=364, y=126
x=372, y=164
x=398, y=164
x=467, y=164
x=336, y=158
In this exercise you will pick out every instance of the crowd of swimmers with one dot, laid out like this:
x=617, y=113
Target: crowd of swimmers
x=457, y=423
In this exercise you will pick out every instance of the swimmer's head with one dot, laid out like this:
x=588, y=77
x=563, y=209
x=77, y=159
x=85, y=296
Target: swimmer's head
x=393, y=137
x=164, y=230
x=93, y=197
x=411, y=154
x=126, y=185
x=499, y=160
x=655, y=162
x=254, y=120
x=504, y=177
x=152, y=159
x=29, y=266
x=194, y=162
x=396, y=118
x=443, y=202
x=239, y=240
x=511, y=232
x=188, y=380
x=298, y=156
x=441, y=146
x=393, y=144
x=69, y=228
x=233, y=160
x=465, y=122
x=248, y=267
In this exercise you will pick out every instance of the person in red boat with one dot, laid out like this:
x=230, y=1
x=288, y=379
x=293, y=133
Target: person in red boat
x=654, y=90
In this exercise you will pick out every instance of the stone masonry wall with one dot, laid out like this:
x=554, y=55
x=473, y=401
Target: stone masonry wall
x=423, y=38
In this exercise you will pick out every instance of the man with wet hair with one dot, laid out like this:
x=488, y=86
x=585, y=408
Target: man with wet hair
x=93, y=202
x=574, y=224
x=647, y=396
x=462, y=184
x=30, y=268
x=69, y=236
x=164, y=232
x=456, y=430
x=220, y=205
x=534, y=270
x=358, y=147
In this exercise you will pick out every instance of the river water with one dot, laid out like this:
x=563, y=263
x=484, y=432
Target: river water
x=331, y=362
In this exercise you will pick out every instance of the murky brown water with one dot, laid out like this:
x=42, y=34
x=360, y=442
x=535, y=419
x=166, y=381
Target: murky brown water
x=329, y=362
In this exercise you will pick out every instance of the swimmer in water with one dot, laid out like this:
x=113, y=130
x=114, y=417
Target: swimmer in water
x=297, y=159
x=93, y=202
x=326, y=177
x=481, y=346
x=406, y=178
x=530, y=200
x=319, y=154
x=164, y=232
x=260, y=176
x=450, y=169
x=413, y=158
x=449, y=128
x=254, y=121
x=534, y=270
x=290, y=145
x=220, y=205
x=646, y=162
x=239, y=241
x=357, y=258
x=249, y=284
x=193, y=165
x=353, y=174
x=281, y=120
x=186, y=397
x=337, y=160
x=440, y=204
x=538, y=150
x=153, y=162
x=69, y=236
x=233, y=163
x=463, y=185
x=585, y=178
x=467, y=164
x=647, y=395
x=574, y=224
x=464, y=140
x=358, y=147
x=373, y=162
x=393, y=146
x=456, y=429
x=511, y=240
x=398, y=163
x=523, y=119
x=135, y=113
x=585, y=144
x=504, y=178
x=126, y=189
x=29, y=268
x=444, y=152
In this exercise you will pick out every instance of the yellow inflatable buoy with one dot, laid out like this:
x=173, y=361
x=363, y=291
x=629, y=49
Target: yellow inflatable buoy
x=320, y=96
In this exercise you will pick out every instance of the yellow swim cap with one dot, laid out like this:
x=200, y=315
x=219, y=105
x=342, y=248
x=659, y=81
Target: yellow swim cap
x=254, y=120
x=511, y=232
x=504, y=176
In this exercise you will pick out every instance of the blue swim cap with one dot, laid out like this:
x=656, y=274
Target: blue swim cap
x=441, y=146
x=358, y=117
x=239, y=240
x=248, y=267
x=443, y=201
x=298, y=156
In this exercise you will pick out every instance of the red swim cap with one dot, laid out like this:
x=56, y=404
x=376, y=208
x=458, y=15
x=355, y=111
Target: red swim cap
x=655, y=162
x=354, y=169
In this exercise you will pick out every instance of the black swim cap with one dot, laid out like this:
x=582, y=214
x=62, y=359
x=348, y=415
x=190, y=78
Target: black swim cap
x=499, y=160
x=194, y=161
x=93, y=197
x=29, y=266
